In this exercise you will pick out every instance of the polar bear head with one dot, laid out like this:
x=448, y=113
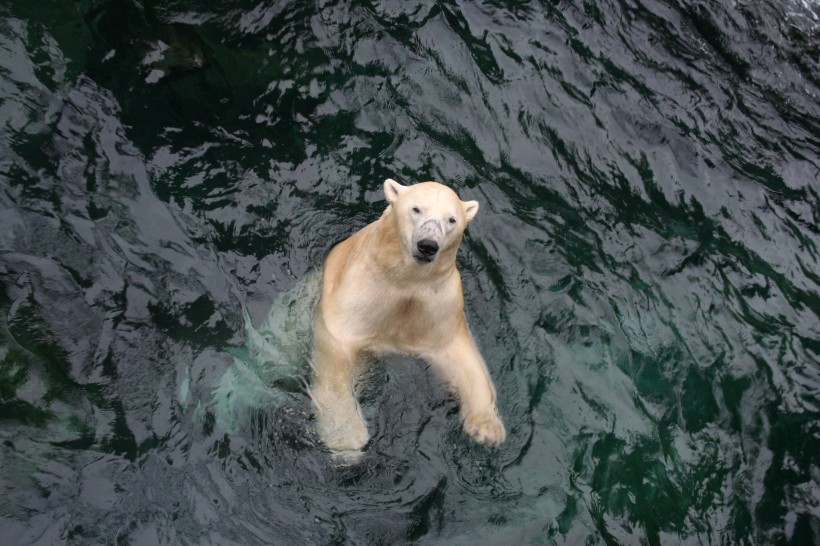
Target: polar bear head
x=430, y=218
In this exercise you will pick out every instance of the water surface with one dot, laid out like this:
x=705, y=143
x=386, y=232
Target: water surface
x=642, y=276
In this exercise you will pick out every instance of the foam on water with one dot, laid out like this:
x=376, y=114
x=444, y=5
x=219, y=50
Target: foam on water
x=275, y=355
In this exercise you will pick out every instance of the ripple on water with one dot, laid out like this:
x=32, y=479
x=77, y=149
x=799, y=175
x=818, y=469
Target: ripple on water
x=641, y=277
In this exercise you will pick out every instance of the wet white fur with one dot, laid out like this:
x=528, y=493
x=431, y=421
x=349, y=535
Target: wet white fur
x=378, y=297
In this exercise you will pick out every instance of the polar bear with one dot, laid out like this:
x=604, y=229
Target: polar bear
x=392, y=287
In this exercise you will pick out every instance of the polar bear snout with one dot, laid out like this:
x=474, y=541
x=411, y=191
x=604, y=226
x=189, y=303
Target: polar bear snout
x=427, y=247
x=426, y=251
x=427, y=241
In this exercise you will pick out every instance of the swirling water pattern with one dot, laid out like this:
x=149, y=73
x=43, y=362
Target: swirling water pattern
x=642, y=277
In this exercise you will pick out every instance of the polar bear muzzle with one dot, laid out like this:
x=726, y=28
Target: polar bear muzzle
x=428, y=238
x=426, y=251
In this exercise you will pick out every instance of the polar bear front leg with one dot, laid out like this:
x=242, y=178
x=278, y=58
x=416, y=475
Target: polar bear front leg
x=338, y=414
x=461, y=366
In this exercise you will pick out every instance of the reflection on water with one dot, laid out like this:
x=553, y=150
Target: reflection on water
x=642, y=277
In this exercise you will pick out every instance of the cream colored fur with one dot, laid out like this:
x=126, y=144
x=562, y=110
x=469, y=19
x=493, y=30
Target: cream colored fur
x=384, y=292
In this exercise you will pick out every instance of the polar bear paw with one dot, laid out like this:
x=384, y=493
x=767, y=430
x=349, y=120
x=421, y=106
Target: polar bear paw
x=344, y=435
x=485, y=428
x=340, y=424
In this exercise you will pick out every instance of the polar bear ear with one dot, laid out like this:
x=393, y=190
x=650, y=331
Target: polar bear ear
x=470, y=209
x=392, y=190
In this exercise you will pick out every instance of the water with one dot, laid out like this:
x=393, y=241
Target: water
x=642, y=277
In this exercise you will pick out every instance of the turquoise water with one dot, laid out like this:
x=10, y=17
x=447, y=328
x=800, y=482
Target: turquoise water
x=642, y=276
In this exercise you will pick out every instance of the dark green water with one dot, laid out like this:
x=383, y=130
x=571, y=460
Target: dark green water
x=643, y=276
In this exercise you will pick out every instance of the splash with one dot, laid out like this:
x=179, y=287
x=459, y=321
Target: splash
x=271, y=367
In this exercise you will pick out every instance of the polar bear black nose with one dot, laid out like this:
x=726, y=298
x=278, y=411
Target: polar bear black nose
x=427, y=247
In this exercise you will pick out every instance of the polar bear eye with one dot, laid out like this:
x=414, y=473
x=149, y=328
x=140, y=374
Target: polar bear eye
x=416, y=210
x=452, y=220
